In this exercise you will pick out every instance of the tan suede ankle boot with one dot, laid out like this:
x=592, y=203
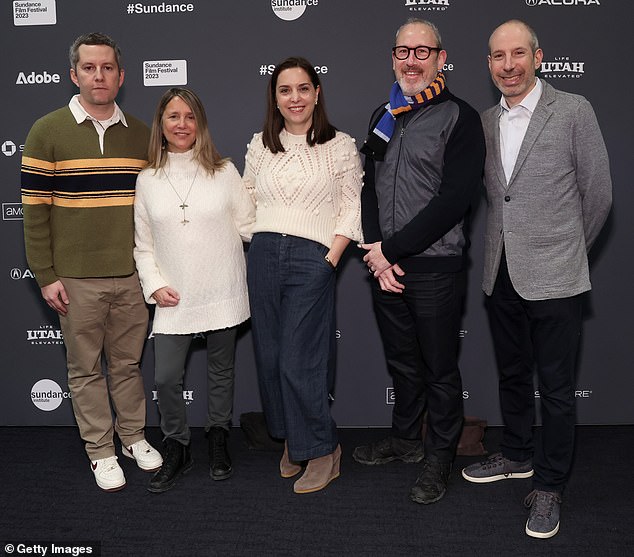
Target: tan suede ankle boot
x=319, y=472
x=288, y=468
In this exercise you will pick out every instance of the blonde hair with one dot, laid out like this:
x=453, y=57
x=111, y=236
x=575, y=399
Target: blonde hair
x=205, y=152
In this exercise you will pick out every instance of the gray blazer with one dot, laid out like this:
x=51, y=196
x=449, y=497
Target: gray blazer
x=555, y=203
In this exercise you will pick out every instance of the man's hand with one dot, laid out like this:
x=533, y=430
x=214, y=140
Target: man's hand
x=374, y=259
x=166, y=297
x=56, y=297
x=388, y=281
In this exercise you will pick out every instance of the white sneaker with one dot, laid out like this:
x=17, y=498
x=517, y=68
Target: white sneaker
x=108, y=473
x=146, y=456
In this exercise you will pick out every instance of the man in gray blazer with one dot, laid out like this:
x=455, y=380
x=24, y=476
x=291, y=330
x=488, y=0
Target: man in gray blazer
x=549, y=192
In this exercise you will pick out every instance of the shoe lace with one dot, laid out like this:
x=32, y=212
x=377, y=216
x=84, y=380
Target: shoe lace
x=430, y=466
x=432, y=473
x=172, y=450
x=140, y=447
x=110, y=464
x=541, y=503
x=493, y=461
x=384, y=445
x=218, y=444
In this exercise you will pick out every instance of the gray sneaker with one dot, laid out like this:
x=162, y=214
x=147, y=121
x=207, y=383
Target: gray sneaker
x=497, y=467
x=543, y=520
x=389, y=449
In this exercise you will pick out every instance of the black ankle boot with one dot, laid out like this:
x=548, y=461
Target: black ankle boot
x=219, y=461
x=177, y=461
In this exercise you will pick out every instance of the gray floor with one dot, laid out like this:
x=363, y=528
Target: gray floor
x=48, y=494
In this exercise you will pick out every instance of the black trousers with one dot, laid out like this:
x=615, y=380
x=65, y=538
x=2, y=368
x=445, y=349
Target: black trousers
x=420, y=332
x=540, y=336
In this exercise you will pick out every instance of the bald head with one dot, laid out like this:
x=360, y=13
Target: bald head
x=519, y=27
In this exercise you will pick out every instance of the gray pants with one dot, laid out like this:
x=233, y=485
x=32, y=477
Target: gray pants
x=170, y=353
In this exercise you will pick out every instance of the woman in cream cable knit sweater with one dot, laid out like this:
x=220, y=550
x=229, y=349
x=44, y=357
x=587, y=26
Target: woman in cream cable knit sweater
x=191, y=210
x=305, y=177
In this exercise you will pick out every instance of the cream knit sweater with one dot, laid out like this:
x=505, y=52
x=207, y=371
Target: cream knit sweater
x=202, y=260
x=310, y=192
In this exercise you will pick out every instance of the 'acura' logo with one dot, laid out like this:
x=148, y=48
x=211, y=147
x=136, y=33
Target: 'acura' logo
x=531, y=2
x=17, y=274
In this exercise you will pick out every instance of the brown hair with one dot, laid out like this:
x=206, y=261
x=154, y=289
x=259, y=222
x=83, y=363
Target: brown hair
x=320, y=131
x=93, y=39
x=205, y=151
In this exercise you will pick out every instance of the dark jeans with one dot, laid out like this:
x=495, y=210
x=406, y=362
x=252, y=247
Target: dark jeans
x=170, y=353
x=291, y=292
x=542, y=335
x=420, y=329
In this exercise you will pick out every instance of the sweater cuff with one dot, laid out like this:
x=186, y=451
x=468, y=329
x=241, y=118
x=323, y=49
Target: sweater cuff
x=46, y=277
x=389, y=251
x=150, y=286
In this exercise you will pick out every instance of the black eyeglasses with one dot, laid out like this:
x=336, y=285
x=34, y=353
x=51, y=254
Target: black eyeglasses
x=421, y=52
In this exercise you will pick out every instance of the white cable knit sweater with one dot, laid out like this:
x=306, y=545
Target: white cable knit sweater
x=202, y=260
x=310, y=192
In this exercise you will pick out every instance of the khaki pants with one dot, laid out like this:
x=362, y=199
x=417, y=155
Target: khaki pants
x=105, y=316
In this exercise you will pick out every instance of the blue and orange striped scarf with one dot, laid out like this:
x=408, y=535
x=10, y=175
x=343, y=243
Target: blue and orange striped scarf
x=376, y=143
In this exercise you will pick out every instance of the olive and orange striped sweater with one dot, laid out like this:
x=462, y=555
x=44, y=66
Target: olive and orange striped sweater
x=78, y=202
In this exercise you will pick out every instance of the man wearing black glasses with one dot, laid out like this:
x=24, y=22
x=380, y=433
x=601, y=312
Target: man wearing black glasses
x=424, y=160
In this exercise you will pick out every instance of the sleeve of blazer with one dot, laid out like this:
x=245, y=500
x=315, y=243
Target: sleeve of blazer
x=593, y=171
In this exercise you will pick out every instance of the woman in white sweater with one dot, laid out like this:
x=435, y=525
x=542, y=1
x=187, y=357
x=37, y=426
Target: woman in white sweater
x=190, y=211
x=305, y=177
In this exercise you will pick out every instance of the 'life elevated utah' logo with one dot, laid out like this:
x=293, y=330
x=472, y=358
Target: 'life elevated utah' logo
x=561, y=67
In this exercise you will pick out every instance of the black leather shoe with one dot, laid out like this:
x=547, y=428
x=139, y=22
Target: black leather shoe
x=177, y=461
x=431, y=485
x=219, y=461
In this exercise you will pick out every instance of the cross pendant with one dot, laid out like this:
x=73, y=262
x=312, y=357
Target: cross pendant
x=183, y=206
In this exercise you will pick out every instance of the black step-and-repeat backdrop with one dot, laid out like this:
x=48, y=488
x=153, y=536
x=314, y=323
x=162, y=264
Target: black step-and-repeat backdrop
x=226, y=50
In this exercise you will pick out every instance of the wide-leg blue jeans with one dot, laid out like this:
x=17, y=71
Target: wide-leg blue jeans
x=292, y=297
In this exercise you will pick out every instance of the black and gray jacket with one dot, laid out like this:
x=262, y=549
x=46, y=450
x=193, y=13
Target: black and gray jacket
x=416, y=199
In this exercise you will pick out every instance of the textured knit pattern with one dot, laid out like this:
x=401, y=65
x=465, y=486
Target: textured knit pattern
x=78, y=202
x=202, y=260
x=310, y=192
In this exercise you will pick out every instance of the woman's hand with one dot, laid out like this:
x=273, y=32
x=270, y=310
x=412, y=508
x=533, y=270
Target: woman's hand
x=166, y=297
x=336, y=250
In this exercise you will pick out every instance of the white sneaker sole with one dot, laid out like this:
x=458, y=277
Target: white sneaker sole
x=110, y=488
x=542, y=535
x=489, y=479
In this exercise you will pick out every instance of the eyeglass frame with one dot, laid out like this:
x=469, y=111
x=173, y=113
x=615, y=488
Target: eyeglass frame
x=409, y=50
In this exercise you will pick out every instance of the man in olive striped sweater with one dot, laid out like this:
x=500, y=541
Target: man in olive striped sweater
x=78, y=175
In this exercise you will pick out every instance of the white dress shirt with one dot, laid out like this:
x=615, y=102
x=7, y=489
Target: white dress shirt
x=513, y=125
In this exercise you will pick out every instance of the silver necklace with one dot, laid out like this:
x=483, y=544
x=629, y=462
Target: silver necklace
x=183, y=204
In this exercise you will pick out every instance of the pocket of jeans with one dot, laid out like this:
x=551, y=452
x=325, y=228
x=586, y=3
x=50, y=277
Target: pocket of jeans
x=322, y=251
